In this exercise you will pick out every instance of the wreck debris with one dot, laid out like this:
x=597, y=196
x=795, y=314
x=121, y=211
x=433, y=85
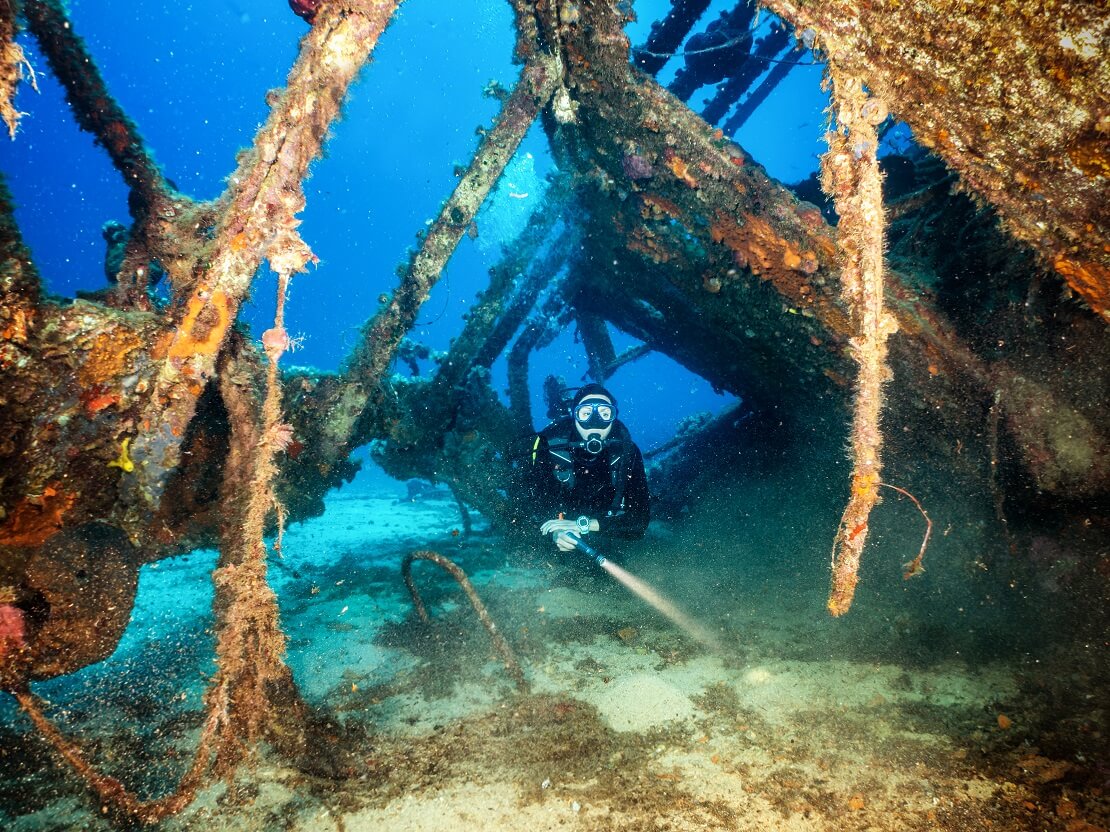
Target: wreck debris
x=715, y=210
x=14, y=67
x=1014, y=98
x=385, y=330
x=515, y=283
x=600, y=352
x=453, y=569
x=242, y=703
x=164, y=235
x=850, y=174
x=546, y=322
x=766, y=48
x=115, y=798
x=713, y=263
x=259, y=222
x=93, y=106
x=915, y=567
x=251, y=644
x=360, y=404
x=667, y=34
x=778, y=71
x=96, y=111
x=712, y=55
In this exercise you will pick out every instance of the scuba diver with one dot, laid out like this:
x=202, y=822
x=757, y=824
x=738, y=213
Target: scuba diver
x=585, y=475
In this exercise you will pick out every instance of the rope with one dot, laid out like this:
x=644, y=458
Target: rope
x=731, y=42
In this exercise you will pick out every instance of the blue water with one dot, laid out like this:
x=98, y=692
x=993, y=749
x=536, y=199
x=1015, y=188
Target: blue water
x=194, y=76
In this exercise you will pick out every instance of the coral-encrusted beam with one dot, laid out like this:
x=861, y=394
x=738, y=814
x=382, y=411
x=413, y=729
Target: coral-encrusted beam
x=1012, y=96
x=13, y=66
x=850, y=175
x=93, y=106
x=259, y=222
x=382, y=334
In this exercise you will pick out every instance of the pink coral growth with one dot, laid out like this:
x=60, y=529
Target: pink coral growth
x=13, y=632
x=305, y=8
x=275, y=341
x=279, y=437
x=637, y=167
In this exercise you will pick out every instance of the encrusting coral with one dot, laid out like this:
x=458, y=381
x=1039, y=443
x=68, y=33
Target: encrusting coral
x=1012, y=95
x=14, y=67
x=851, y=175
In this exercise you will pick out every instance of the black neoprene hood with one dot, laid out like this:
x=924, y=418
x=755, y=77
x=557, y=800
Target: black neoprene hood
x=593, y=390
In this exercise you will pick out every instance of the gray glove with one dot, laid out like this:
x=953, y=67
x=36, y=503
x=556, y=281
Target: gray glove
x=565, y=533
x=566, y=541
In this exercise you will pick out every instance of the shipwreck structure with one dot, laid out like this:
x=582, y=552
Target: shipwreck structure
x=131, y=431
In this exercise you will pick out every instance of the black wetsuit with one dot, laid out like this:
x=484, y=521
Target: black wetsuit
x=610, y=487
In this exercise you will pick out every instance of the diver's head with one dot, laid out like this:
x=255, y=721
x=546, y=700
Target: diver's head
x=594, y=410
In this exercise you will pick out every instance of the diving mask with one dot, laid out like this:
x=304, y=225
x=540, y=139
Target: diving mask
x=593, y=419
x=595, y=414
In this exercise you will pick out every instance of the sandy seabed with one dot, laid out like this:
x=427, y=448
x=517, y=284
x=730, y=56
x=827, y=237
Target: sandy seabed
x=628, y=723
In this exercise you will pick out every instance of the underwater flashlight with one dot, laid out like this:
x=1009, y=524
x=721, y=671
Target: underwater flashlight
x=586, y=549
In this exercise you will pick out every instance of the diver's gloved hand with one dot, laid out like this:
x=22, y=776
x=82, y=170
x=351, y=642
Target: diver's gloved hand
x=582, y=526
x=566, y=541
x=566, y=533
x=559, y=525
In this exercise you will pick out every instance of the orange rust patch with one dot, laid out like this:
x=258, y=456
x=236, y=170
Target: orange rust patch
x=643, y=243
x=680, y=169
x=1090, y=280
x=655, y=205
x=97, y=398
x=753, y=243
x=203, y=327
x=1090, y=156
x=109, y=357
x=16, y=330
x=36, y=519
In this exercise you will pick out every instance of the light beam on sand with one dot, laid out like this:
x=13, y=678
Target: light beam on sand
x=651, y=596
